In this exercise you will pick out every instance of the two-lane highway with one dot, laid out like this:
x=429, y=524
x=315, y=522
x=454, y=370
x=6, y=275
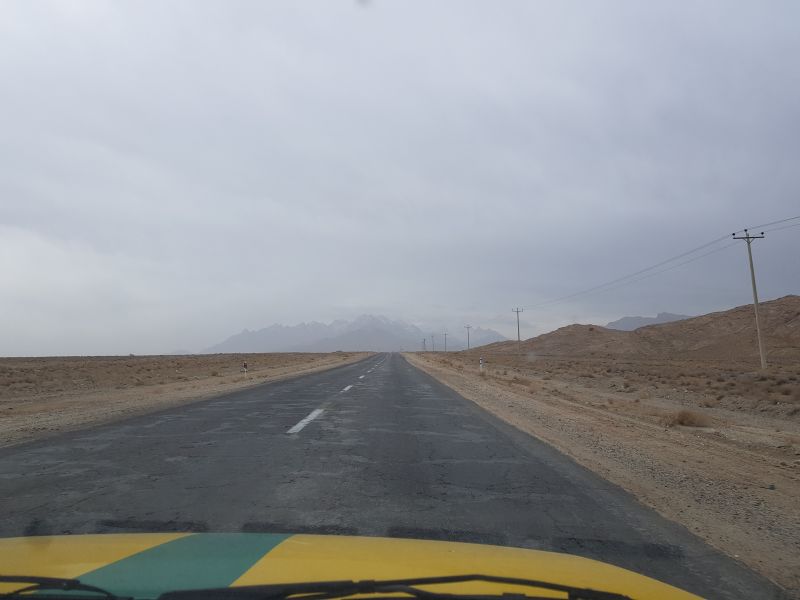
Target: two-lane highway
x=373, y=448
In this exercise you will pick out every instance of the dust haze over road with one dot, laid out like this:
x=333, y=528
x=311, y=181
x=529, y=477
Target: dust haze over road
x=376, y=448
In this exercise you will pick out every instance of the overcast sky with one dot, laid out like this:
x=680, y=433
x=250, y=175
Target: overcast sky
x=174, y=172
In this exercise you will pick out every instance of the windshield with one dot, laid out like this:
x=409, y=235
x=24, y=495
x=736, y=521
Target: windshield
x=301, y=292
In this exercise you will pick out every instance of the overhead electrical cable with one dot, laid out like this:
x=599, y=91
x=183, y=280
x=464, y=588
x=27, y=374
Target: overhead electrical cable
x=769, y=224
x=680, y=264
x=631, y=275
x=784, y=227
x=651, y=270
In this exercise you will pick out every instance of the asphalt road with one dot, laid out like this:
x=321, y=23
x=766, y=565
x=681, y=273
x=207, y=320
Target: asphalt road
x=377, y=448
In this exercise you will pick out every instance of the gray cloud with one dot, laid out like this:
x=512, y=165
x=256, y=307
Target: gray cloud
x=173, y=172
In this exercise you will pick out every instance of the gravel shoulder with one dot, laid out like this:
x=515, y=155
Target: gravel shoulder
x=41, y=397
x=735, y=482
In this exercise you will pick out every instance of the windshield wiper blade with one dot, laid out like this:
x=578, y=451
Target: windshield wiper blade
x=49, y=584
x=325, y=590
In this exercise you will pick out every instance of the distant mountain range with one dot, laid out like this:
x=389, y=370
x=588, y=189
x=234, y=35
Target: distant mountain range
x=633, y=323
x=367, y=332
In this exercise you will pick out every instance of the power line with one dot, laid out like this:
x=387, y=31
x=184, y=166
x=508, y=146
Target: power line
x=629, y=276
x=669, y=268
x=633, y=277
x=779, y=228
x=680, y=264
x=769, y=224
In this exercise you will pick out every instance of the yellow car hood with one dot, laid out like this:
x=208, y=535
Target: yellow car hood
x=145, y=565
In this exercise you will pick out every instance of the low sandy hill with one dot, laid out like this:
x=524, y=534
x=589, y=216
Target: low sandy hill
x=727, y=335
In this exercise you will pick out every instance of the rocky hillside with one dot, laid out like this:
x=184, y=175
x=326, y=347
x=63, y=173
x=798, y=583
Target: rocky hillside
x=727, y=335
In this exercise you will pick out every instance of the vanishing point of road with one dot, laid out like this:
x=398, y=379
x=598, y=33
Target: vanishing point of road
x=375, y=448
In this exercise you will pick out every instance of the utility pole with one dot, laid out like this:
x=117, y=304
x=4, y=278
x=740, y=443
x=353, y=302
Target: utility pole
x=424, y=347
x=749, y=239
x=433, y=342
x=519, y=342
x=467, y=327
x=445, y=341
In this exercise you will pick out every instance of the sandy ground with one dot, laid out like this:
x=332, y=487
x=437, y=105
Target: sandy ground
x=40, y=397
x=731, y=476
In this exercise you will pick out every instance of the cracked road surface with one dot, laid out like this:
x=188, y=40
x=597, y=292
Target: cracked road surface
x=376, y=448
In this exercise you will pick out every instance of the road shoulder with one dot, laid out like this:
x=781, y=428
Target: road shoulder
x=735, y=501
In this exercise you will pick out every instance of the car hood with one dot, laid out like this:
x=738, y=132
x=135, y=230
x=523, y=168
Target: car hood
x=144, y=565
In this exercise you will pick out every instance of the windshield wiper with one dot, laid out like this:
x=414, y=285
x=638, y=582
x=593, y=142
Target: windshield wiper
x=324, y=590
x=43, y=585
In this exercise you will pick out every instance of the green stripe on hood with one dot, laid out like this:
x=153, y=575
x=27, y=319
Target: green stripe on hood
x=202, y=560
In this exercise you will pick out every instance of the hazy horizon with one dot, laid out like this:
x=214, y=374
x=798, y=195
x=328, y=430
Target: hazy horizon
x=176, y=172
x=456, y=333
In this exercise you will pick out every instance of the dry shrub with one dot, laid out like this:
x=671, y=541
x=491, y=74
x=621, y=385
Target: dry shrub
x=687, y=418
x=483, y=374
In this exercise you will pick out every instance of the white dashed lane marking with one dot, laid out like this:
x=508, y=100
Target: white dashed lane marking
x=313, y=415
x=318, y=411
